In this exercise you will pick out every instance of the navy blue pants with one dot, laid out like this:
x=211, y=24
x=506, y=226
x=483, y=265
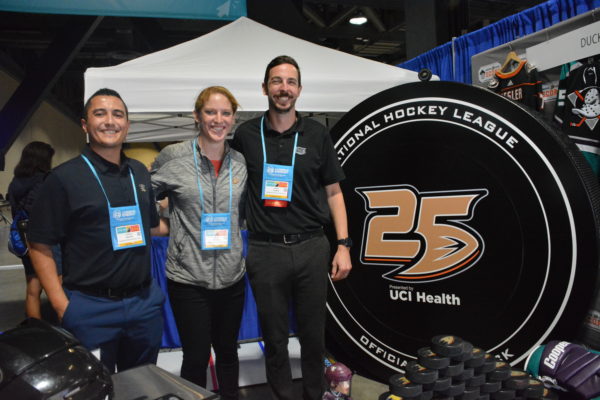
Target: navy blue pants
x=127, y=331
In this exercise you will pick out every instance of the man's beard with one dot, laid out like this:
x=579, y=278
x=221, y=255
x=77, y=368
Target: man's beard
x=273, y=106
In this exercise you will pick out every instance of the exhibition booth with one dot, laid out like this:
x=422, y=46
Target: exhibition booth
x=474, y=208
x=506, y=259
x=160, y=89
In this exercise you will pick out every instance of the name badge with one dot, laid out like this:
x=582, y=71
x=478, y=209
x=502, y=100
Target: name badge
x=126, y=227
x=215, y=231
x=277, y=182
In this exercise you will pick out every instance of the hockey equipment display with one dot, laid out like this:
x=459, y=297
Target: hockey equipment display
x=39, y=361
x=567, y=367
x=518, y=81
x=469, y=214
x=492, y=379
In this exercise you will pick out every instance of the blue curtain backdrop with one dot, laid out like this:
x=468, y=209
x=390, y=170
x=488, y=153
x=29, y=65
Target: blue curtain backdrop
x=439, y=60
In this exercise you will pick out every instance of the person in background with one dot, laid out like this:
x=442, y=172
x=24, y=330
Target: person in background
x=205, y=181
x=293, y=191
x=100, y=207
x=29, y=173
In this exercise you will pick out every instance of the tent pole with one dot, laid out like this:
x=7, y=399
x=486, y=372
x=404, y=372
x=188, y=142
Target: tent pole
x=453, y=59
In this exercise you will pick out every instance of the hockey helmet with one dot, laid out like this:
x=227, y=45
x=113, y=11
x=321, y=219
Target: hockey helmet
x=337, y=373
x=39, y=361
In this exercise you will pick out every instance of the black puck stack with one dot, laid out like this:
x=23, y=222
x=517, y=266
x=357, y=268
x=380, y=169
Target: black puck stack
x=452, y=368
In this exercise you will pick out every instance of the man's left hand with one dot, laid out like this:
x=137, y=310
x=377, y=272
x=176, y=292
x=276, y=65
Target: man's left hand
x=341, y=264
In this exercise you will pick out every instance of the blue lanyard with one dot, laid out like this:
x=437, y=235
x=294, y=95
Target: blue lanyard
x=102, y=187
x=198, y=179
x=262, y=137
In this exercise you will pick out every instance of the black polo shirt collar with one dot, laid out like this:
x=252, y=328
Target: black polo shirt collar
x=297, y=127
x=104, y=166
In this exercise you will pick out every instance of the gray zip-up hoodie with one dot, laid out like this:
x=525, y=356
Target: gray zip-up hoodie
x=174, y=174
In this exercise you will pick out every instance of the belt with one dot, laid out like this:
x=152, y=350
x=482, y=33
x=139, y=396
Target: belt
x=109, y=293
x=286, y=238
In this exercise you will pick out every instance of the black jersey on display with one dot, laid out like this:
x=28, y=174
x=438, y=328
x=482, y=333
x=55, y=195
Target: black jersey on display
x=520, y=85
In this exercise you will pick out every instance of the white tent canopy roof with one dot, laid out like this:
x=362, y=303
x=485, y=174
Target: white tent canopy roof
x=160, y=88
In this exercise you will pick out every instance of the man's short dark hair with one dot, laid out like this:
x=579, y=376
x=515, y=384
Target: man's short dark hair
x=103, y=92
x=278, y=61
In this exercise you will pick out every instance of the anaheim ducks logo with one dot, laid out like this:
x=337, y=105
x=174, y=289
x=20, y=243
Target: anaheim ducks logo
x=447, y=340
x=423, y=234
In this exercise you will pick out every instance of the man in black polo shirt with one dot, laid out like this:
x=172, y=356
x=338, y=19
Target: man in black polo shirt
x=293, y=188
x=99, y=206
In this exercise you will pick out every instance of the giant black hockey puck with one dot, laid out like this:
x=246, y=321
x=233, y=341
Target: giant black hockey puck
x=469, y=215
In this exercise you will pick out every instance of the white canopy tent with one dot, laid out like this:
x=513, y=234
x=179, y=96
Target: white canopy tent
x=160, y=88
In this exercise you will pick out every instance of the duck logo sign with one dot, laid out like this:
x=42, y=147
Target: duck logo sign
x=470, y=216
x=424, y=235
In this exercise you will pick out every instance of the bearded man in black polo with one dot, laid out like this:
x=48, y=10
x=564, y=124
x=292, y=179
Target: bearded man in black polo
x=293, y=191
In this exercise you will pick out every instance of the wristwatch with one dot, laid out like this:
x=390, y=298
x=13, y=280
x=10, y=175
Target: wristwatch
x=345, y=241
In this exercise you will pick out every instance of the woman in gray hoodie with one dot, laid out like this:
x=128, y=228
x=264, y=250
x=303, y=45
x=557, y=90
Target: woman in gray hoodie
x=205, y=182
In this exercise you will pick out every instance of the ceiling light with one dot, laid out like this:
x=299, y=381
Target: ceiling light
x=358, y=20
